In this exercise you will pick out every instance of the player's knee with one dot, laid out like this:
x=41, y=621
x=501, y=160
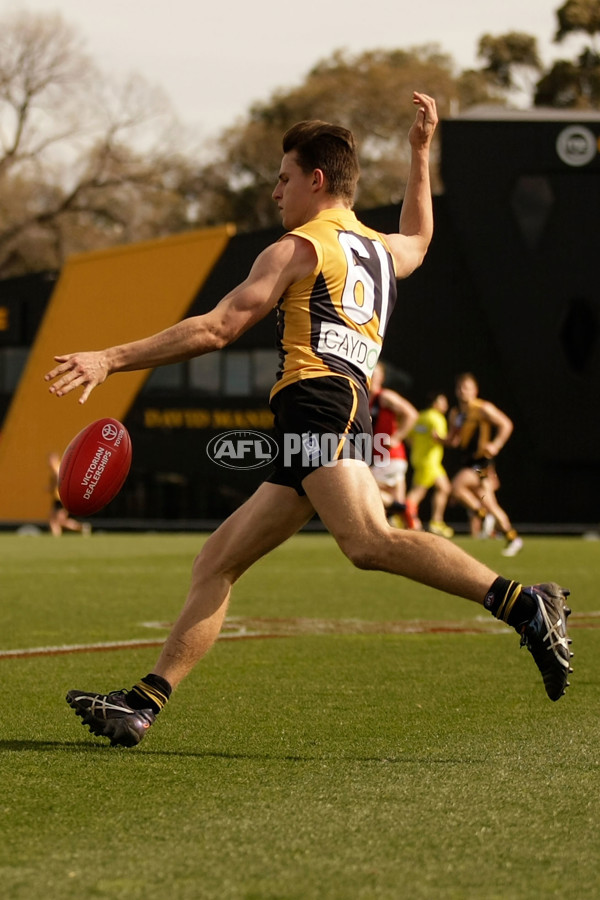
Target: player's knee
x=211, y=564
x=362, y=554
x=201, y=566
x=363, y=558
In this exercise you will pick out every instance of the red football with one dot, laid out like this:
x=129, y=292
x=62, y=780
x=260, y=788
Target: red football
x=94, y=467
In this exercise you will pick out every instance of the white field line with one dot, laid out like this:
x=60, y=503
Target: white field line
x=244, y=629
x=78, y=648
x=102, y=646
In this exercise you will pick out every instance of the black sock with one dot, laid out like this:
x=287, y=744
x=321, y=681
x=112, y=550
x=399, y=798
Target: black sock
x=152, y=692
x=507, y=602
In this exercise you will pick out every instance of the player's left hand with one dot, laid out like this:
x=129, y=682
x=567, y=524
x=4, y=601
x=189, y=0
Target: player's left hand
x=490, y=450
x=86, y=370
x=425, y=123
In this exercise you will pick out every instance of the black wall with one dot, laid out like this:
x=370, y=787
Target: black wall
x=526, y=221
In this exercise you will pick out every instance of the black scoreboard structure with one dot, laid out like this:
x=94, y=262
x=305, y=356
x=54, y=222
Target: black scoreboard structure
x=510, y=291
x=523, y=197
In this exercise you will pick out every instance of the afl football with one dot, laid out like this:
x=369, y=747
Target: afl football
x=94, y=467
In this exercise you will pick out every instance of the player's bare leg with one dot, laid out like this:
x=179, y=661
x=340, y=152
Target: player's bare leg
x=466, y=488
x=268, y=518
x=479, y=496
x=346, y=498
x=272, y=515
x=441, y=494
x=347, y=502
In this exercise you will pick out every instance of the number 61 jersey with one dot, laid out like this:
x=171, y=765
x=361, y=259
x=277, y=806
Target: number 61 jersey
x=333, y=321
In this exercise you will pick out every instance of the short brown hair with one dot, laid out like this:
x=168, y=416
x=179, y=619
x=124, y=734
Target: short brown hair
x=331, y=148
x=466, y=376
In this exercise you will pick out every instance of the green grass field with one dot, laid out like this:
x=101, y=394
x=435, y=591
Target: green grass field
x=350, y=757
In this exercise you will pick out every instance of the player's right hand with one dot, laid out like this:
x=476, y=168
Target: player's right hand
x=425, y=123
x=75, y=370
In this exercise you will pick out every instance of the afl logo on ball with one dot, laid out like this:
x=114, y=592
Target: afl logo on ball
x=109, y=432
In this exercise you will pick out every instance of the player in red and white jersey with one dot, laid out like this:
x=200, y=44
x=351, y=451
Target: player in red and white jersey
x=393, y=417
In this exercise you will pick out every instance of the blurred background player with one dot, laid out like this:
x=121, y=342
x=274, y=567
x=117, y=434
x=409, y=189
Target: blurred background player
x=480, y=430
x=393, y=417
x=59, y=519
x=427, y=440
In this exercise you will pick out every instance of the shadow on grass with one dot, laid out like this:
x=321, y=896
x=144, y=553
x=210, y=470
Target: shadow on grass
x=78, y=746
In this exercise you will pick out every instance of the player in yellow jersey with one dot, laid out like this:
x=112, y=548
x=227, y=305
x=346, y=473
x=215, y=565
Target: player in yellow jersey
x=334, y=283
x=480, y=430
x=427, y=440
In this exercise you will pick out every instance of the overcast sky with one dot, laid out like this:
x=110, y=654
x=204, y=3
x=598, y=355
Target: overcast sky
x=213, y=58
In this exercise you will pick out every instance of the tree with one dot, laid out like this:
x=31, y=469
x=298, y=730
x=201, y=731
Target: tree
x=370, y=93
x=512, y=61
x=574, y=84
x=571, y=85
x=71, y=177
x=576, y=16
x=86, y=163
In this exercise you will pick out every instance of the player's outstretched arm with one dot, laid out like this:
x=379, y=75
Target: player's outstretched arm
x=410, y=245
x=407, y=414
x=273, y=271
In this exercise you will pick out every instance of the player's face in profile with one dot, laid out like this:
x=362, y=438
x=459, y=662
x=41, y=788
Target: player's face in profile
x=466, y=390
x=441, y=403
x=293, y=192
x=377, y=379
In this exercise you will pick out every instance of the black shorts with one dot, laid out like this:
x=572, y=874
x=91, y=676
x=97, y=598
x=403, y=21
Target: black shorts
x=318, y=420
x=481, y=465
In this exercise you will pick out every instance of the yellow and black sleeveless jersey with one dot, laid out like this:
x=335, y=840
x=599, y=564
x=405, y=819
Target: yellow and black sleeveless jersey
x=474, y=432
x=333, y=321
